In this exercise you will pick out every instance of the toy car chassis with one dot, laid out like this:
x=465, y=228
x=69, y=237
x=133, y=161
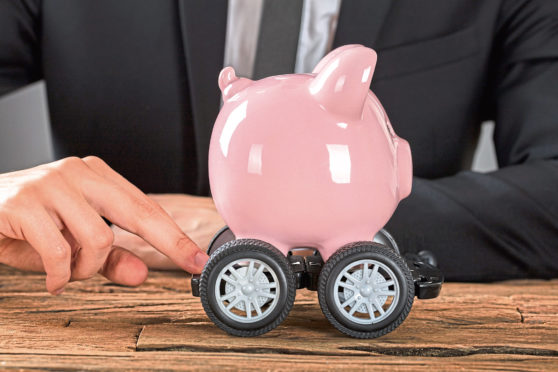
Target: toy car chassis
x=366, y=289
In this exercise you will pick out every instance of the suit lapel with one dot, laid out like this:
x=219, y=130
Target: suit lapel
x=203, y=28
x=361, y=22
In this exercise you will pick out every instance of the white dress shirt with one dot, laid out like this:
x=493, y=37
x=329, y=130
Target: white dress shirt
x=317, y=29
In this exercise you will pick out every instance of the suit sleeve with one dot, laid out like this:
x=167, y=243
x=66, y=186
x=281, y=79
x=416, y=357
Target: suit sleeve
x=19, y=43
x=503, y=224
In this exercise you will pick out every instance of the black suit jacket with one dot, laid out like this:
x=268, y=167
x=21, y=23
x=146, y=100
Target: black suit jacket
x=134, y=82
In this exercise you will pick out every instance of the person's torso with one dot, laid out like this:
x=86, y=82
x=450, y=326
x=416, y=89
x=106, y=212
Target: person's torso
x=120, y=86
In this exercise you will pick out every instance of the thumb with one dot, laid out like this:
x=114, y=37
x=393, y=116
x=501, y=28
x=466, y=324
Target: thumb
x=124, y=267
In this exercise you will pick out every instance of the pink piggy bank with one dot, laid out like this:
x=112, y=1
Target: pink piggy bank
x=307, y=161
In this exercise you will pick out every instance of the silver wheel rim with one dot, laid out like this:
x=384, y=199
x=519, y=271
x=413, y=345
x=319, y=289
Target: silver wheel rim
x=247, y=290
x=366, y=291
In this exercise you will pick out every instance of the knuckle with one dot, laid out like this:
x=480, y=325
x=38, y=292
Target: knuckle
x=94, y=161
x=67, y=166
x=71, y=162
x=60, y=252
x=102, y=239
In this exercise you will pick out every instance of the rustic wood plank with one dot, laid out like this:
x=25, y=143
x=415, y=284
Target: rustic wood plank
x=440, y=327
x=269, y=362
x=99, y=325
x=47, y=335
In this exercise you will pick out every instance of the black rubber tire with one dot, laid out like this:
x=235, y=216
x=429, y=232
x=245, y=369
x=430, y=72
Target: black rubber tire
x=247, y=248
x=224, y=235
x=387, y=240
x=345, y=256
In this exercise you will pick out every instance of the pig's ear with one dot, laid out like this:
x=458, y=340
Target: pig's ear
x=343, y=80
x=230, y=84
x=331, y=55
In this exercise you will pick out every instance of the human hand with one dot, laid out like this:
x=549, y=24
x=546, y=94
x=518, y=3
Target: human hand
x=50, y=220
x=195, y=215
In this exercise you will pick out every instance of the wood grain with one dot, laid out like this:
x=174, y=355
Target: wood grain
x=97, y=325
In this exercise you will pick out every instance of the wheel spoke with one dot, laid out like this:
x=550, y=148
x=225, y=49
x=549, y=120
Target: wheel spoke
x=230, y=280
x=348, y=286
x=355, y=306
x=348, y=301
x=351, y=278
x=258, y=272
x=386, y=293
x=267, y=285
x=258, y=309
x=370, y=310
x=228, y=295
x=250, y=268
x=384, y=284
x=247, y=302
x=377, y=306
x=374, y=273
x=268, y=295
x=364, y=271
x=235, y=273
x=233, y=303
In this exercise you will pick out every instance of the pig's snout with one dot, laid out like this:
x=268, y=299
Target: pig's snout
x=404, y=168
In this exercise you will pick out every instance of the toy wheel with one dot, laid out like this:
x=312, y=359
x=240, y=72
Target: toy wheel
x=222, y=236
x=384, y=237
x=366, y=290
x=247, y=287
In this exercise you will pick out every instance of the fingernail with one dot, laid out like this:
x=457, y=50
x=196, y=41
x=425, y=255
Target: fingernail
x=201, y=259
x=59, y=291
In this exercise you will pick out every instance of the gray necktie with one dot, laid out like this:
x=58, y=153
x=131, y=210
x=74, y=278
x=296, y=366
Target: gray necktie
x=278, y=38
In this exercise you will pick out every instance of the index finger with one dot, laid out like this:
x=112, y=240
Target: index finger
x=129, y=208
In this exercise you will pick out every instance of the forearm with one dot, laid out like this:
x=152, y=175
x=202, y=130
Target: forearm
x=494, y=226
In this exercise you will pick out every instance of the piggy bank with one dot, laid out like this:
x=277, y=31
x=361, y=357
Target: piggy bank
x=306, y=170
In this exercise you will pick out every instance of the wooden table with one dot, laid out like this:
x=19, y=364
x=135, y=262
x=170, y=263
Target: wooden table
x=99, y=325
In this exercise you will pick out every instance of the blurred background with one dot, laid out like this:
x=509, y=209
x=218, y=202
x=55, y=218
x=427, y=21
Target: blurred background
x=24, y=124
x=25, y=138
